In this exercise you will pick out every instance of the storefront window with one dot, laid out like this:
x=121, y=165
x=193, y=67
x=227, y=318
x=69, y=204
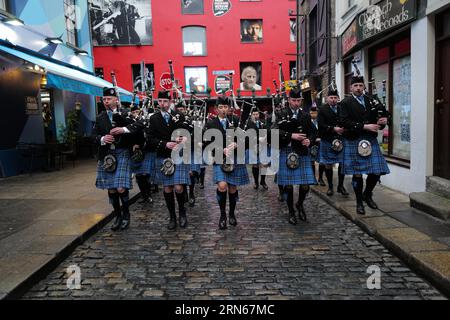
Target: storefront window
x=392, y=63
x=379, y=74
x=401, y=81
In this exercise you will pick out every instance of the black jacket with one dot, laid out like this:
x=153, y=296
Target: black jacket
x=103, y=126
x=354, y=116
x=287, y=126
x=232, y=123
x=328, y=120
x=157, y=132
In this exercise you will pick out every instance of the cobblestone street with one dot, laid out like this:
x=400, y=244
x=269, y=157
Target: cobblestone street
x=262, y=258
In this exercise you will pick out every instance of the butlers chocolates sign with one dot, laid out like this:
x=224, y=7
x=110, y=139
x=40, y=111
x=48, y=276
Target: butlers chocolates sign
x=383, y=16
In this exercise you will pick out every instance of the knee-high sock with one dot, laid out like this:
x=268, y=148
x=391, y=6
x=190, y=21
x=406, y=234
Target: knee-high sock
x=142, y=181
x=321, y=170
x=181, y=201
x=371, y=182
x=255, y=171
x=341, y=176
x=114, y=199
x=170, y=202
x=124, y=198
x=263, y=179
x=233, y=199
x=222, y=200
x=329, y=175
x=202, y=175
x=290, y=197
x=357, y=183
x=302, y=192
x=192, y=186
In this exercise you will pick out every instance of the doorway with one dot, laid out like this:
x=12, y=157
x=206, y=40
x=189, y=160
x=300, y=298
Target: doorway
x=442, y=97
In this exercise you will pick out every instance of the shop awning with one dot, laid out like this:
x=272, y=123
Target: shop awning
x=65, y=78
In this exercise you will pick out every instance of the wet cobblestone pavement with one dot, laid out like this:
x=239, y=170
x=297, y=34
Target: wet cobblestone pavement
x=264, y=257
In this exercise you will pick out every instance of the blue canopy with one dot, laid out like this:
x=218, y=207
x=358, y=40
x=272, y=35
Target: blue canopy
x=65, y=78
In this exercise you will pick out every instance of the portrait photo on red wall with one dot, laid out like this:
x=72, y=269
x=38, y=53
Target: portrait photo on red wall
x=251, y=30
x=250, y=76
x=196, y=79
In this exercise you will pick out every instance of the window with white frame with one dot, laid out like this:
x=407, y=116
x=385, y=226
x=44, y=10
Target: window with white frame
x=194, y=41
x=71, y=22
x=3, y=5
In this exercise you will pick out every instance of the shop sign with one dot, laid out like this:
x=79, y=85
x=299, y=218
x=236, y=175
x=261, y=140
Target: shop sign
x=383, y=16
x=221, y=7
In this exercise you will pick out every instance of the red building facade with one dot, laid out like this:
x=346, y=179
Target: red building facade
x=224, y=48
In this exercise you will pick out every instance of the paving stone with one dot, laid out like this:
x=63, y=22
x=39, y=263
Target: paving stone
x=263, y=257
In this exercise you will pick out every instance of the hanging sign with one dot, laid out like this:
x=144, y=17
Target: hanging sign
x=222, y=84
x=221, y=7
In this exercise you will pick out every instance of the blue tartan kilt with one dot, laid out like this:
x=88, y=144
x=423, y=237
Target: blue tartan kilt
x=254, y=158
x=121, y=178
x=327, y=155
x=303, y=175
x=144, y=167
x=355, y=164
x=238, y=177
x=180, y=176
x=194, y=166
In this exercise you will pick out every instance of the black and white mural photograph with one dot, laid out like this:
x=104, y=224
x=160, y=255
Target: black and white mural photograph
x=121, y=22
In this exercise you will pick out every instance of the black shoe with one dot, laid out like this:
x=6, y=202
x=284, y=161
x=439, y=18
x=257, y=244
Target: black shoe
x=145, y=200
x=233, y=221
x=223, y=223
x=301, y=212
x=330, y=192
x=360, y=209
x=265, y=187
x=292, y=218
x=368, y=199
x=281, y=198
x=255, y=186
x=172, y=224
x=202, y=186
x=342, y=191
x=322, y=183
x=117, y=223
x=183, y=221
x=191, y=201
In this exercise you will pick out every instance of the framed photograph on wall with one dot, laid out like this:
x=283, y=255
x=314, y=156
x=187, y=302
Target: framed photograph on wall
x=250, y=73
x=196, y=79
x=251, y=30
x=143, y=78
x=121, y=22
x=192, y=7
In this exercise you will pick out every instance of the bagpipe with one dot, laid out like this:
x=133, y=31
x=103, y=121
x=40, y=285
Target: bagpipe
x=377, y=108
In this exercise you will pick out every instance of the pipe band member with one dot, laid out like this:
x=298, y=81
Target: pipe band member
x=361, y=126
x=145, y=169
x=296, y=133
x=118, y=182
x=227, y=182
x=331, y=130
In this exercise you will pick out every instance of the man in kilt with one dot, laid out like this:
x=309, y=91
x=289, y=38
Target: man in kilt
x=361, y=120
x=295, y=130
x=142, y=168
x=118, y=182
x=255, y=124
x=329, y=130
x=159, y=131
x=315, y=144
x=194, y=170
x=227, y=182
